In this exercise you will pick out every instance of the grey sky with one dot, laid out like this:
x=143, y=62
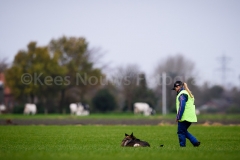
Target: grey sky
x=141, y=32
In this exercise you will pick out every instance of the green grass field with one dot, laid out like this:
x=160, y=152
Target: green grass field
x=103, y=142
x=119, y=116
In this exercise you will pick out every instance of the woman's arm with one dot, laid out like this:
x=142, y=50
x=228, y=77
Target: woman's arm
x=182, y=99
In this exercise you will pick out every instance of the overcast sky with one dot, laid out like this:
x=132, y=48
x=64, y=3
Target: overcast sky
x=142, y=32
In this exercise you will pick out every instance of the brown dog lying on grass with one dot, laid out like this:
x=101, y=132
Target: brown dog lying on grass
x=132, y=141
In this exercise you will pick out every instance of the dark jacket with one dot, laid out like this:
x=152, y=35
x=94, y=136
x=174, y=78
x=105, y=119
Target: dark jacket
x=182, y=99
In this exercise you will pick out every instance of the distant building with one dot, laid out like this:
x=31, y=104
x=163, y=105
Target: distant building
x=6, y=97
x=215, y=105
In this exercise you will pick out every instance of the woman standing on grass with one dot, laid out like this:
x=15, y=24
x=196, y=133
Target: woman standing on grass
x=185, y=113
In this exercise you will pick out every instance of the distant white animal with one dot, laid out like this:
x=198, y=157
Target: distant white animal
x=73, y=108
x=197, y=111
x=141, y=107
x=2, y=108
x=78, y=109
x=81, y=111
x=30, y=108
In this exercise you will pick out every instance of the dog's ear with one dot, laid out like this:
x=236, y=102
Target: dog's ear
x=126, y=134
x=131, y=134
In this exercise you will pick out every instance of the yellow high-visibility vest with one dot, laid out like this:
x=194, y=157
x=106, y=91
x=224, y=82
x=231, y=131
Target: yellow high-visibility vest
x=189, y=113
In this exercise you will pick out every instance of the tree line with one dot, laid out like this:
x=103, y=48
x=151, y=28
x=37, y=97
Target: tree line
x=65, y=71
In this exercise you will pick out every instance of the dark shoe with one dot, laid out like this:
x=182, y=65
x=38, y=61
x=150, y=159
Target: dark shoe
x=197, y=144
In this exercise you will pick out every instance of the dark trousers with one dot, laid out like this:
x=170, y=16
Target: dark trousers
x=183, y=133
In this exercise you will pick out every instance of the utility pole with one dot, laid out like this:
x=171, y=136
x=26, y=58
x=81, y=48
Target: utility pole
x=223, y=69
x=164, y=97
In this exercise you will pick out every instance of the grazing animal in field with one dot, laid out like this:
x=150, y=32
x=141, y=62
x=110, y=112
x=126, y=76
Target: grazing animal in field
x=30, y=108
x=132, y=141
x=73, y=108
x=141, y=107
x=2, y=108
x=79, y=109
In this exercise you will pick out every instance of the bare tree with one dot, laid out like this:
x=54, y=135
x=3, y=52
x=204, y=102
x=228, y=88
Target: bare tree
x=126, y=79
x=3, y=65
x=177, y=67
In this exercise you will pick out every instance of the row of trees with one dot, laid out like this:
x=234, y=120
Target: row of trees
x=66, y=71
x=52, y=75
